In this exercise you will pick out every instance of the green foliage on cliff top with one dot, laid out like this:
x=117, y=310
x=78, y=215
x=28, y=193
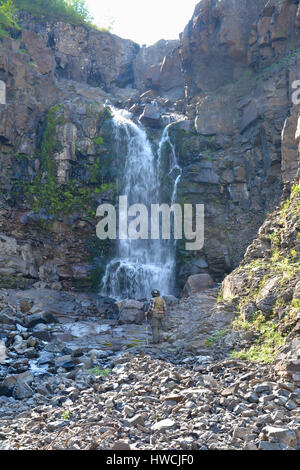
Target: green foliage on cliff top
x=74, y=12
x=7, y=17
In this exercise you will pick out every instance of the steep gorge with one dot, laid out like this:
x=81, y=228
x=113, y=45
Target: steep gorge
x=217, y=109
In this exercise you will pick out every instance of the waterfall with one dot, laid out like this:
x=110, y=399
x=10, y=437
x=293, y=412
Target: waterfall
x=175, y=169
x=140, y=265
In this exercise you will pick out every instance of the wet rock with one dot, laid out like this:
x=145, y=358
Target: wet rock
x=66, y=362
x=107, y=307
x=40, y=318
x=151, y=117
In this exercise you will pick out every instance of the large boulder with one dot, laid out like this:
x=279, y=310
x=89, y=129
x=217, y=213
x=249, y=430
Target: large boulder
x=151, y=116
x=107, y=306
x=41, y=317
x=131, y=311
x=17, y=386
x=197, y=283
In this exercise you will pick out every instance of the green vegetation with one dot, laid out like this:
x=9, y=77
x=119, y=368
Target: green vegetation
x=296, y=304
x=278, y=64
x=283, y=266
x=71, y=11
x=74, y=12
x=215, y=338
x=99, y=140
x=99, y=372
x=268, y=342
x=66, y=415
x=43, y=192
x=7, y=17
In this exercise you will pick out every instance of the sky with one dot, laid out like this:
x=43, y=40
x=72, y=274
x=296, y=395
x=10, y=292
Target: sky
x=143, y=21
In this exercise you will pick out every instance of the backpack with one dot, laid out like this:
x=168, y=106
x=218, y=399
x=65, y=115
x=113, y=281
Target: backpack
x=159, y=306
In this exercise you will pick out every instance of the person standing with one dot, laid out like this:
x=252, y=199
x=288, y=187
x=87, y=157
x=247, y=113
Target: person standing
x=156, y=312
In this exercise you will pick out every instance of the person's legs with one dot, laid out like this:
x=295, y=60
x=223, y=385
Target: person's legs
x=155, y=330
x=156, y=326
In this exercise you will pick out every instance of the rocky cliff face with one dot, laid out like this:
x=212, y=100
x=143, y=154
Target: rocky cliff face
x=230, y=77
x=239, y=82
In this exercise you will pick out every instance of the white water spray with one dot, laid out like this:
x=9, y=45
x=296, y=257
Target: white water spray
x=140, y=265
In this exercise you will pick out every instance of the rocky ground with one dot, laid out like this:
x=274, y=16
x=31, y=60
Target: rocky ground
x=109, y=387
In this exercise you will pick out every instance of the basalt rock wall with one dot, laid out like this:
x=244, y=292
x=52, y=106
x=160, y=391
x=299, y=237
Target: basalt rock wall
x=230, y=77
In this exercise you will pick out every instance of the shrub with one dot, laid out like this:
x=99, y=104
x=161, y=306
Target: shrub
x=74, y=12
x=99, y=372
x=71, y=11
x=7, y=17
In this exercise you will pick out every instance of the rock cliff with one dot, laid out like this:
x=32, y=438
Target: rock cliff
x=228, y=90
x=230, y=76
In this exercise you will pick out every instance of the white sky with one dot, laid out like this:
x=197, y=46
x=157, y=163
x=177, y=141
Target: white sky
x=143, y=21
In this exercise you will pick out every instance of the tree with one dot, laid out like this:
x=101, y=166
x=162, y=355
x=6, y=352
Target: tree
x=7, y=17
x=81, y=8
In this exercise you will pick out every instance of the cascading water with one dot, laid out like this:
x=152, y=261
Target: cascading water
x=140, y=265
x=175, y=169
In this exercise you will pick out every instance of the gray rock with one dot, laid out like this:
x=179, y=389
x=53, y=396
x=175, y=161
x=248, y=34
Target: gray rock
x=163, y=425
x=197, y=283
x=265, y=445
x=22, y=390
x=131, y=311
x=284, y=435
x=151, y=116
x=66, y=362
x=40, y=318
x=210, y=381
x=121, y=445
x=8, y=385
x=252, y=397
x=170, y=300
x=2, y=352
x=137, y=420
x=129, y=411
x=241, y=433
x=261, y=388
x=45, y=358
x=291, y=405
